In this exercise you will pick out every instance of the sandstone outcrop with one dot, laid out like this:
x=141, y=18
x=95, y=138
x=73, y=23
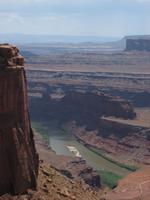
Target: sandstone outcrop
x=18, y=157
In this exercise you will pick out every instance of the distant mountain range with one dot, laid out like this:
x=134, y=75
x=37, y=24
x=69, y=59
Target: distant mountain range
x=26, y=39
x=63, y=42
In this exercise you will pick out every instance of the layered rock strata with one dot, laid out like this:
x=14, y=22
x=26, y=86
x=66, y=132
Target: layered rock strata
x=85, y=108
x=122, y=142
x=18, y=157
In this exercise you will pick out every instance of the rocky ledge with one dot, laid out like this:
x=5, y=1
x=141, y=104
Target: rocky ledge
x=18, y=157
x=54, y=186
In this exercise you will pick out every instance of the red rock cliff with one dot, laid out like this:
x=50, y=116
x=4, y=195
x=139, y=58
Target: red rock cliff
x=18, y=157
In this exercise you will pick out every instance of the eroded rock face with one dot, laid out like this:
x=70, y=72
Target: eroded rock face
x=85, y=108
x=126, y=143
x=18, y=157
x=100, y=103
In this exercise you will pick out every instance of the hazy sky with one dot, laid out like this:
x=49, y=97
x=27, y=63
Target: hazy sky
x=75, y=17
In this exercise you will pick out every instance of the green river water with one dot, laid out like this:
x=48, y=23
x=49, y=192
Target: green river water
x=59, y=139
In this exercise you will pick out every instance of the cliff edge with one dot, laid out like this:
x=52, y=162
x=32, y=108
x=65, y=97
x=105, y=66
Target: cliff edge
x=18, y=157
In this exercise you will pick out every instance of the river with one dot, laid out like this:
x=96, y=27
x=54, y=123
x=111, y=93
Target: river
x=59, y=139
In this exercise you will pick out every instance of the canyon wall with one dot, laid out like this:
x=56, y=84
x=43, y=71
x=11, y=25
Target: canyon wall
x=85, y=108
x=18, y=157
x=120, y=141
x=92, y=113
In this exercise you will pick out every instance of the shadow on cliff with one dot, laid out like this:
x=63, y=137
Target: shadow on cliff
x=84, y=108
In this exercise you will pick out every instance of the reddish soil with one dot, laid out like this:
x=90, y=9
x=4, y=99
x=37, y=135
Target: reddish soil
x=135, y=186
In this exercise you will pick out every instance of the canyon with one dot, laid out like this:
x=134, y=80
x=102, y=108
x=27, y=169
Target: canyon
x=76, y=75
x=68, y=103
x=102, y=110
x=22, y=174
x=89, y=122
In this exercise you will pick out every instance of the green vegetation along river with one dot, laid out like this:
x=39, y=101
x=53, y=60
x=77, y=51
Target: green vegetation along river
x=58, y=139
